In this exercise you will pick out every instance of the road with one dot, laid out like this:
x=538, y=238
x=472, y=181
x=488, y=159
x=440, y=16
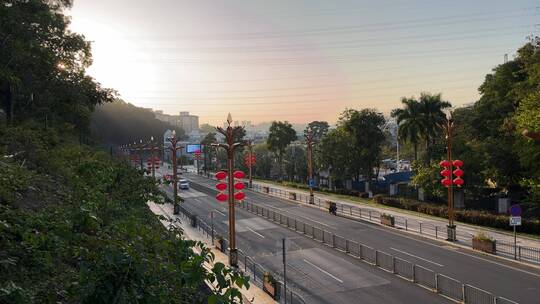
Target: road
x=319, y=274
x=503, y=278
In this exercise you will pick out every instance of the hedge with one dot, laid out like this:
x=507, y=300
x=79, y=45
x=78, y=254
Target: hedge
x=475, y=217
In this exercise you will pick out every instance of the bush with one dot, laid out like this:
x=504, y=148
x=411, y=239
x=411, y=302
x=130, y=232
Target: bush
x=475, y=217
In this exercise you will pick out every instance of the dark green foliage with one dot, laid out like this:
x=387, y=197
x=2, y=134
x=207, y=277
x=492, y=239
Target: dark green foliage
x=120, y=123
x=90, y=237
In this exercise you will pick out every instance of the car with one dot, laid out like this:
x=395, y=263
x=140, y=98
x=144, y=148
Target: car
x=183, y=184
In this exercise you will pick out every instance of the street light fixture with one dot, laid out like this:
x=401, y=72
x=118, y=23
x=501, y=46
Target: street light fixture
x=230, y=146
x=174, y=148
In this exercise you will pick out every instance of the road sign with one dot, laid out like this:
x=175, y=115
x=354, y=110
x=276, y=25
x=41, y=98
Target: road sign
x=311, y=182
x=515, y=210
x=515, y=221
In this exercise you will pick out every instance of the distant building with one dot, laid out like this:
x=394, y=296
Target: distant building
x=188, y=123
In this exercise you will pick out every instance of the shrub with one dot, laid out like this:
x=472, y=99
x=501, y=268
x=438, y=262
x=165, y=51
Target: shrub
x=475, y=217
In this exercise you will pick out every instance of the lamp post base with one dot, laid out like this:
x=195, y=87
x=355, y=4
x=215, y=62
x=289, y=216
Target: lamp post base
x=233, y=257
x=451, y=233
x=311, y=199
x=176, y=209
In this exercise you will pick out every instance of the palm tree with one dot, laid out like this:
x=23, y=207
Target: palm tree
x=410, y=122
x=432, y=107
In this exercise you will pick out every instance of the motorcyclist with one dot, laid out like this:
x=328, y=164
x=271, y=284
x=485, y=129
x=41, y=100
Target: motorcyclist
x=333, y=208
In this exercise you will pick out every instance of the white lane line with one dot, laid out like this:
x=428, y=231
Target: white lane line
x=219, y=212
x=255, y=232
x=415, y=256
x=324, y=271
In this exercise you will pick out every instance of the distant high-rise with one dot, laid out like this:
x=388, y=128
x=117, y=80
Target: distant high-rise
x=188, y=123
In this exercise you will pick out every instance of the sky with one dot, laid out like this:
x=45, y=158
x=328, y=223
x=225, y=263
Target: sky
x=297, y=60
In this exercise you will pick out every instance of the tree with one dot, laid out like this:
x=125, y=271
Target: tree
x=42, y=67
x=119, y=123
x=410, y=122
x=366, y=128
x=281, y=135
x=318, y=129
x=421, y=118
x=295, y=159
x=207, y=128
x=336, y=153
x=207, y=142
x=432, y=107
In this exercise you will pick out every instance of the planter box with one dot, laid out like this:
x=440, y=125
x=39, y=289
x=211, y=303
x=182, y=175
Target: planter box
x=292, y=196
x=270, y=288
x=219, y=245
x=484, y=245
x=266, y=189
x=387, y=220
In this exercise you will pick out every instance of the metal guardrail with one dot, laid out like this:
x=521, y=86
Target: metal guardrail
x=419, y=275
x=256, y=270
x=439, y=232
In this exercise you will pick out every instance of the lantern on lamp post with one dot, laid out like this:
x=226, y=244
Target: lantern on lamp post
x=231, y=133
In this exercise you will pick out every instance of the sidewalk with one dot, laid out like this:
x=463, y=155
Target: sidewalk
x=528, y=248
x=253, y=295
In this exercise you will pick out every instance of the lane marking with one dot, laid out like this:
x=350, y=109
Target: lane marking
x=415, y=256
x=255, y=232
x=440, y=247
x=219, y=212
x=324, y=271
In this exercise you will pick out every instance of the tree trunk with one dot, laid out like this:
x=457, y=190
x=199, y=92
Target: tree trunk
x=415, y=151
x=7, y=91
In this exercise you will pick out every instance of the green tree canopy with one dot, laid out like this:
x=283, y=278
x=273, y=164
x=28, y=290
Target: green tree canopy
x=280, y=136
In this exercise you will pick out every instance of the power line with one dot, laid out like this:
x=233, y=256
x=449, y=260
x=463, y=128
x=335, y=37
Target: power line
x=361, y=28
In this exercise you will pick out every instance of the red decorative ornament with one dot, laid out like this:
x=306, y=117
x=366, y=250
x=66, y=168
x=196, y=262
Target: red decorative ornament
x=444, y=163
x=222, y=197
x=239, y=186
x=457, y=163
x=238, y=174
x=239, y=196
x=446, y=182
x=221, y=186
x=446, y=173
x=458, y=181
x=221, y=175
x=458, y=172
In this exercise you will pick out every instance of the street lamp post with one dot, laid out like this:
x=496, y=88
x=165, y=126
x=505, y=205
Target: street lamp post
x=448, y=128
x=309, y=141
x=153, y=148
x=249, y=145
x=230, y=146
x=174, y=148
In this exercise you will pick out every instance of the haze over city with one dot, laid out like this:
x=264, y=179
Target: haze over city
x=256, y=59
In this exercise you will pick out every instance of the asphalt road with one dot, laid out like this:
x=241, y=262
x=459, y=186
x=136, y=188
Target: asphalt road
x=503, y=278
x=318, y=273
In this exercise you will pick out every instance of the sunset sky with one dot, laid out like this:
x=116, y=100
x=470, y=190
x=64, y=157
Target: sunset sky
x=297, y=60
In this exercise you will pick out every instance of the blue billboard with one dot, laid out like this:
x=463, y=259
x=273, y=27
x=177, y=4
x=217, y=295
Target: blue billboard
x=192, y=148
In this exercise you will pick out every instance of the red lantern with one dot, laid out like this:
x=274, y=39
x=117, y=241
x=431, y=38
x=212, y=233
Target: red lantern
x=222, y=197
x=221, y=186
x=457, y=163
x=444, y=163
x=458, y=172
x=239, y=196
x=239, y=186
x=221, y=175
x=446, y=173
x=238, y=174
x=446, y=182
x=458, y=181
